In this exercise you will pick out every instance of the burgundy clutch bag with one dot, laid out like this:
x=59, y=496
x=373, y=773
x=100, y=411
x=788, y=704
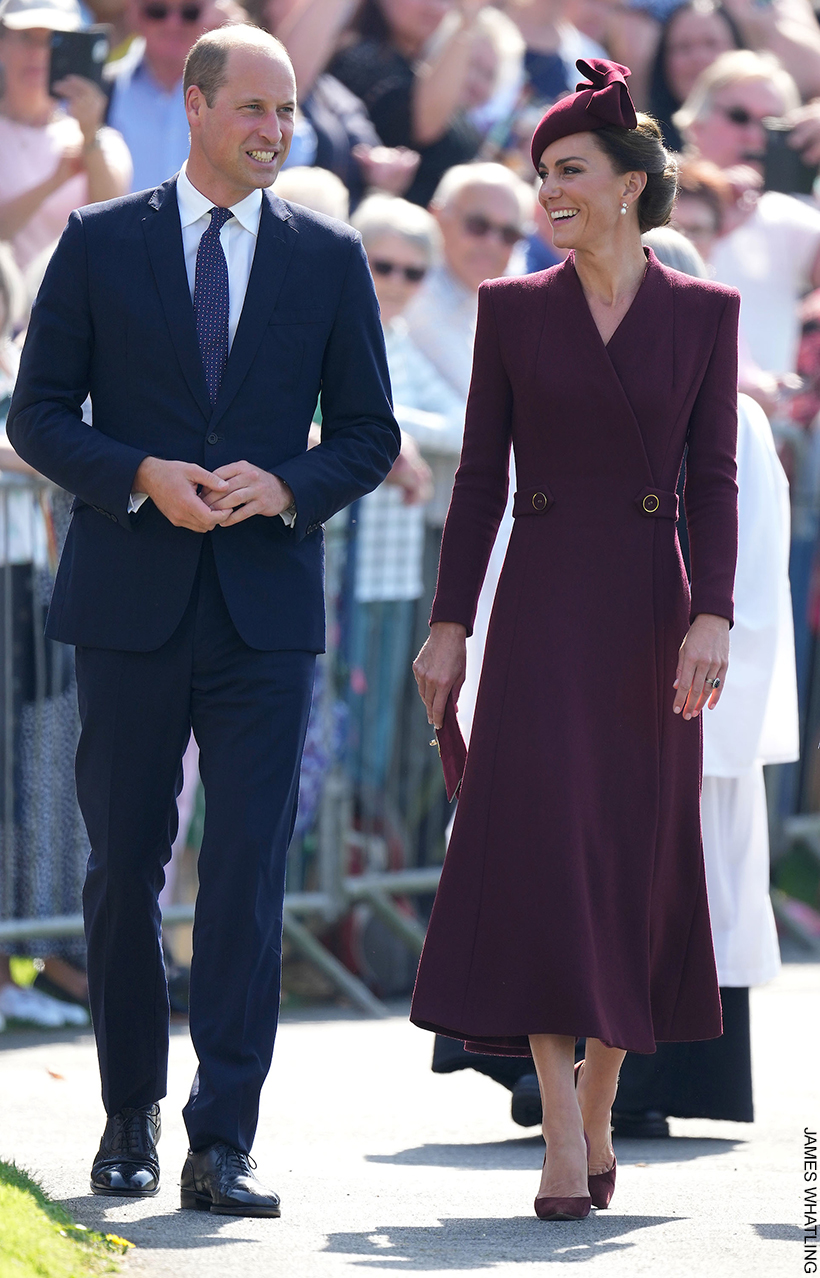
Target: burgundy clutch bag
x=452, y=749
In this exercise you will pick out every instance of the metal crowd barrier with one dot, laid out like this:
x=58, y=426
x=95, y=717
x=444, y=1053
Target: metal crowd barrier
x=30, y=538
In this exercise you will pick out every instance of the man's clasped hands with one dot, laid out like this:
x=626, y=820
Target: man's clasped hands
x=192, y=497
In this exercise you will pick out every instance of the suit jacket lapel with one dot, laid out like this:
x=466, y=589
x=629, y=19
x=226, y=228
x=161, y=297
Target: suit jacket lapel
x=274, y=245
x=163, y=238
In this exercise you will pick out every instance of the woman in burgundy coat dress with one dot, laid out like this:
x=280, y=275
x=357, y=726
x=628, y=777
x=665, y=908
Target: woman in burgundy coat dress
x=573, y=900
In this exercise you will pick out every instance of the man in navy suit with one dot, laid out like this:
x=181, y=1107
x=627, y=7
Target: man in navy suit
x=204, y=319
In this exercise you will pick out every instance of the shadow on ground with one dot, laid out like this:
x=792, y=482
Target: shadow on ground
x=473, y=1244
x=527, y=1152
x=167, y=1230
x=779, y=1233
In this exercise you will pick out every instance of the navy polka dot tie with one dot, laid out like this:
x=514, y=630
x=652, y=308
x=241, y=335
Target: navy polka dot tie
x=211, y=301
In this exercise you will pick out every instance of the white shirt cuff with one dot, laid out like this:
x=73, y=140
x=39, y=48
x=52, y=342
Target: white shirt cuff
x=288, y=517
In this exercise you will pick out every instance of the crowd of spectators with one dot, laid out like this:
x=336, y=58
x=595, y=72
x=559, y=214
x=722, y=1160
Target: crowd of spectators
x=413, y=123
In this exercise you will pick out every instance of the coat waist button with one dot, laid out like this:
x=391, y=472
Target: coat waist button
x=651, y=503
x=212, y=438
x=540, y=501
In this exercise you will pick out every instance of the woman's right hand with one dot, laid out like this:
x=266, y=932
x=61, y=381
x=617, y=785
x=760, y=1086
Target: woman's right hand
x=440, y=668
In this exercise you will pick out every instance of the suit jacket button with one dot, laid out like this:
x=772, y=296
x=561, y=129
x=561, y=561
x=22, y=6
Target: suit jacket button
x=540, y=501
x=651, y=503
x=212, y=438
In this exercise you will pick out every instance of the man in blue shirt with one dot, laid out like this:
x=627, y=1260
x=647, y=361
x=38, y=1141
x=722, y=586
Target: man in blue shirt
x=147, y=105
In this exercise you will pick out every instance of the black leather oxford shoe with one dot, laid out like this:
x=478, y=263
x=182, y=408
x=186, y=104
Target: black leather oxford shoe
x=220, y=1179
x=126, y=1165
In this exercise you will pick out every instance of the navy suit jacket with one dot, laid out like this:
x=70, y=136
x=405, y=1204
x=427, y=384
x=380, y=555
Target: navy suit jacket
x=114, y=319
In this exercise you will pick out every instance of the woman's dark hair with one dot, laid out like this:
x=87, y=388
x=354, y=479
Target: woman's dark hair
x=662, y=101
x=369, y=23
x=642, y=150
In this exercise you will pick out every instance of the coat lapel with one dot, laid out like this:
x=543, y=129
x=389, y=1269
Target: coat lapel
x=274, y=246
x=163, y=238
x=620, y=406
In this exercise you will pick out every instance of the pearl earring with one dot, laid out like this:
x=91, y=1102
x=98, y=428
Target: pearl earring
x=624, y=207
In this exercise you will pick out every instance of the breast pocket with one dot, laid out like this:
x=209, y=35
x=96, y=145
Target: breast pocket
x=288, y=337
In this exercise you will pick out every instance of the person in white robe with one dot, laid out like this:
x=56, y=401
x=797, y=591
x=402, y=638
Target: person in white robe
x=756, y=720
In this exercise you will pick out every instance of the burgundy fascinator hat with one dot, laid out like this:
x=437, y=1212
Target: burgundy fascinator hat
x=599, y=102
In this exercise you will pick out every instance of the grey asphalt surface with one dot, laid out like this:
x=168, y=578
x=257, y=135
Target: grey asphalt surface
x=383, y=1166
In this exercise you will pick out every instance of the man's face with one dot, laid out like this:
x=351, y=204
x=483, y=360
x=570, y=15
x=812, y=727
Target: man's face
x=479, y=226
x=170, y=28
x=732, y=132
x=243, y=139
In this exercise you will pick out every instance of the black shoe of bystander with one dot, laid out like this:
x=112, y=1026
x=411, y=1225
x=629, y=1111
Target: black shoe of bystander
x=526, y=1101
x=648, y=1124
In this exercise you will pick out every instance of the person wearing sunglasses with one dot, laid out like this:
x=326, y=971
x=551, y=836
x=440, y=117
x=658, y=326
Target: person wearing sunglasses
x=482, y=211
x=402, y=243
x=146, y=98
x=771, y=248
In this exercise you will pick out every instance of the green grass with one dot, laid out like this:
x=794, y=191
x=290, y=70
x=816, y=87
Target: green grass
x=38, y=1239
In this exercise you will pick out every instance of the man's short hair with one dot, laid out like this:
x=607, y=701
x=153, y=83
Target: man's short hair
x=737, y=66
x=484, y=173
x=207, y=62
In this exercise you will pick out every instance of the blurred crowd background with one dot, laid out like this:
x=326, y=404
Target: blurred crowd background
x=414, y=123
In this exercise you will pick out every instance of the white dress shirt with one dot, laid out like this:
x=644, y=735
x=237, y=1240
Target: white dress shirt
x=238, y=240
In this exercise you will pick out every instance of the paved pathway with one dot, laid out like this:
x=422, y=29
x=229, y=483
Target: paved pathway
x=383, y=1166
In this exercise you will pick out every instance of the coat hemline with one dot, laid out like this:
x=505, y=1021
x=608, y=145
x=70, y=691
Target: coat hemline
x=518, y=1044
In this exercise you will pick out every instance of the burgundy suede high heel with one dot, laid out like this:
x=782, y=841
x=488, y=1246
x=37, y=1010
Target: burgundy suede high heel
x=547, y=1208
x=562, y=1208
x=602, y=1184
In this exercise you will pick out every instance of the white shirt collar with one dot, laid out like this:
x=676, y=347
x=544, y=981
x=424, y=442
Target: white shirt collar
x=193, y=205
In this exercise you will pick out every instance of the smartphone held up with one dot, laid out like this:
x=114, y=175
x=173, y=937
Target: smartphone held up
x=80, y=53
x=784, y=168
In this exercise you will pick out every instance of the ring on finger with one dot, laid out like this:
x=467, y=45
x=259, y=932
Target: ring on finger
x=715, y=683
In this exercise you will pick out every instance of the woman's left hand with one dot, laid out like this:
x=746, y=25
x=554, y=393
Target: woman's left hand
x=704, y=654
x=86, y=102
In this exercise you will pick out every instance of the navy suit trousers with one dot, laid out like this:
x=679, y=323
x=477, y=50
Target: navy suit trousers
x=248, y=710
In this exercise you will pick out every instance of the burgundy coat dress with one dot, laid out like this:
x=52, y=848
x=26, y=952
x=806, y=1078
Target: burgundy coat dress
x=573, y=897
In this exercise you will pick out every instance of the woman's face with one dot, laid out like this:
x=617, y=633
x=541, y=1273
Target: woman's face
x=398, y=266
x=24, y=57
x=582, y=194
x=697, y=220
x=412, y=22
x=693, y=42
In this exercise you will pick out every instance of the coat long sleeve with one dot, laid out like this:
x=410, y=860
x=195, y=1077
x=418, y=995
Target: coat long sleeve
x=711, y=475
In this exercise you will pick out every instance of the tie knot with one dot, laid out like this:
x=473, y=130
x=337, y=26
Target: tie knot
x=218, y=218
